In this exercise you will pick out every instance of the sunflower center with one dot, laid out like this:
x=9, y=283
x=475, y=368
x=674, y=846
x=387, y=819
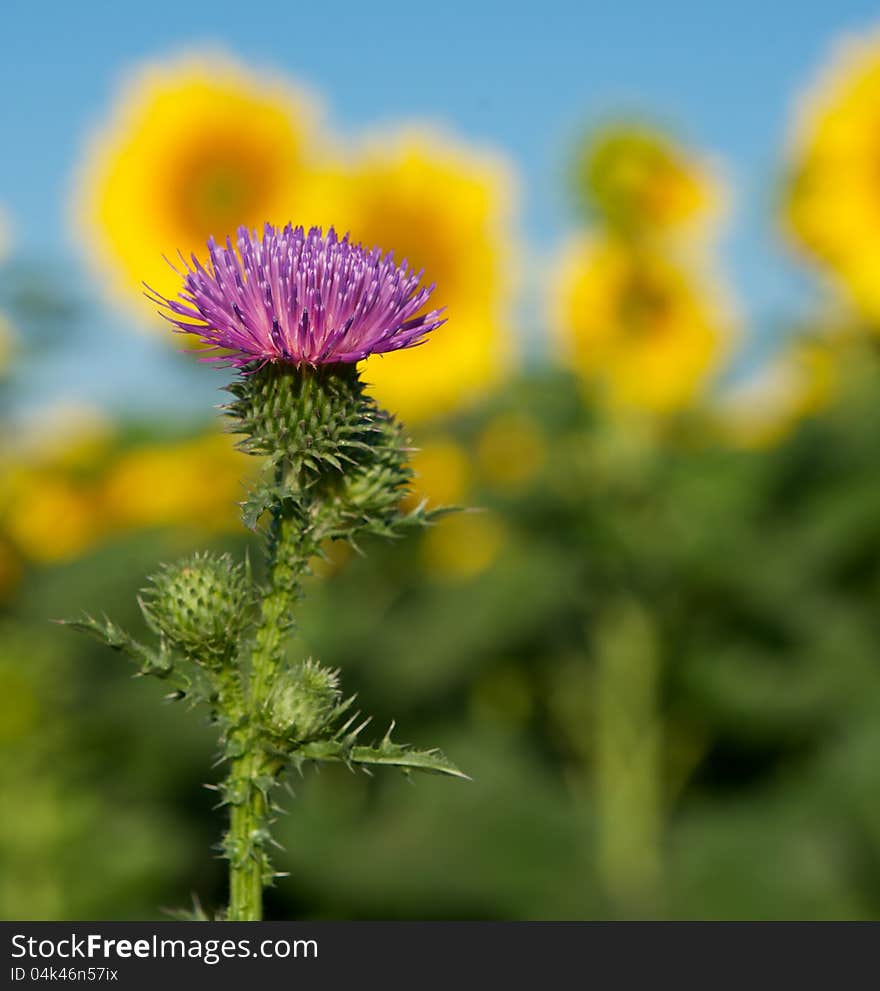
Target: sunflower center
x=219, y=188
x=222, y=191
x=218, y=197
x=646, y=309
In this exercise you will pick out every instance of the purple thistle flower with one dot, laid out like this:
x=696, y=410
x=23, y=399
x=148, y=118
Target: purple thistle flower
x=299, y=298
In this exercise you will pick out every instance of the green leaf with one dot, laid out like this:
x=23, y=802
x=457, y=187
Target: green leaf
x=153, y=662
x=385, y=753
x=193, y=914
x=400, y=755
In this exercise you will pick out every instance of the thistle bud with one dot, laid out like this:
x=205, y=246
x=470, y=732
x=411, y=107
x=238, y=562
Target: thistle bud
x=200, y=605
x=372, y=493
x=315, y=419
x=303, y=701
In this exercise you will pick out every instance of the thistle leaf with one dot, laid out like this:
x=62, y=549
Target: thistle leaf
x=193, y=914
x=157, y=663
x=385, y=753
x=400, y=755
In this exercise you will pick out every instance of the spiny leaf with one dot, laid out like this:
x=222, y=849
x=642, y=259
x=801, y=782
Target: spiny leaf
x=153, y=662
x=193, y=914
x=385, y=753
x=400, y=755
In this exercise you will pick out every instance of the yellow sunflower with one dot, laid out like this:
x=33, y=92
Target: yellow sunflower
x=445, y=208
x=194, y=147
x=463, y=545
x=640, y=181
x=643, y=328
x=832, y=201
x=64, y=492
x=57, y=522
x=165, y=485
x=442, y=473
x=48, y=509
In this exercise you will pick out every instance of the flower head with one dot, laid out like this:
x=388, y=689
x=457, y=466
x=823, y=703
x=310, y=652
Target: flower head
x=299, y=298
x=640, y=181
x=832, y=204
x=648, y=331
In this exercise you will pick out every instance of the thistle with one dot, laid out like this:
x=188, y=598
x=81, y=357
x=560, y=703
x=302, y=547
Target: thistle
x=292, y=312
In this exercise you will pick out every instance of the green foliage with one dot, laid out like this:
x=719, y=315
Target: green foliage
x=403, y=756
x=745, y=751
x=336, y=468
x=678, y=640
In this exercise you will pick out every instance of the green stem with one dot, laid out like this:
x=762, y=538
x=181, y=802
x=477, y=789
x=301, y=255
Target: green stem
x=248, y=775
x=628, y=728
x=247, y=858
x=291, y=549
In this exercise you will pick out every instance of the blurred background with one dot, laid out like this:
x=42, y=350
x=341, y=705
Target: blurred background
x=655, y=647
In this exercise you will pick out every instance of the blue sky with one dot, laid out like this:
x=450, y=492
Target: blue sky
x=522, y=78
